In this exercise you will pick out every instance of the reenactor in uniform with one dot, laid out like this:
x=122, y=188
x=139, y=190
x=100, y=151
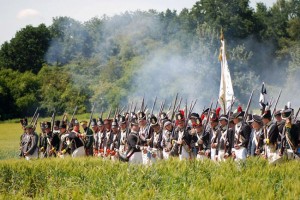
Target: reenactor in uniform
x=64, y=148
x=52, y=141
x=256, y=141
x=107, y=137
x=114, y=139
x=133, y=154
x=123, y=135
x=271, y=133
x=75, y=142
x=88, y=138
x=100, y=137
x=30, y=141
x=144, y=134
x=144, y=130
x=289, y=140
x=154, y=150
x=167, y=138
x=182, y=136
x=224, y=140
x=42, y=141
x=162, y=118
x=242, y=133
x=24, y=123
x=95, y=129
x=280, y=124
x=214, y=133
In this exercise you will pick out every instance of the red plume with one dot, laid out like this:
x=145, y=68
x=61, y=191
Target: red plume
x=202, y=117
x=239, y=109
x=218, y=111
x=182, y=112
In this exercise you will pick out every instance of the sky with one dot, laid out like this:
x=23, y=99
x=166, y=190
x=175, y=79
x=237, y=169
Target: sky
x=16, y=14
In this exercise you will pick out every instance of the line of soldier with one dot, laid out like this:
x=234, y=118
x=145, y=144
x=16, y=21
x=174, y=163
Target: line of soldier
x=141, y=138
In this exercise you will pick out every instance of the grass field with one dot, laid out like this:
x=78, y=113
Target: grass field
x=92, y=178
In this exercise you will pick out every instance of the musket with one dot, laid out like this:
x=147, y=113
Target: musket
x=74, y=112
x=248, y=106
x=194, y=105
x=143, y=104
x=217, y=104
x=35, y=121
x=186, y=114
x=274, y=110
x=73, y=115
x=163, y=105
x=179, y=104
x=152, y=109
x=52, y=120
x=34, y=115
x=134, y=107
x=227, y=126
x=122, y=109
x=170, y=106
x=101, y=114
x=208, y=116
x=91, y=117
x=109, y=113
x=295, y=119
x=173, y=111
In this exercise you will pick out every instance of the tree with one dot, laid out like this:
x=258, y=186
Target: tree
x=26, y=51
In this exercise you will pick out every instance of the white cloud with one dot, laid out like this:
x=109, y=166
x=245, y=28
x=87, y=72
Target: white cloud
x=27, y=13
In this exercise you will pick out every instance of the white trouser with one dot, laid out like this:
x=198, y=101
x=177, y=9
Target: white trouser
x=213, y=152
x=241, y=153
x=221, y=154
x=79, y=152
x=33, y=156
x=136, y=158
x=184, y=153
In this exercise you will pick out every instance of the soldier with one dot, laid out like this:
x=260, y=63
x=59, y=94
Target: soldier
x=280, y=124
x=74, y=141
x=224, y=140
x=182, y=136
x=144, y=134
x=64, y=149
x=256, y=141
x=154, y=150
x=100, y=137
x=144, y=130
x=166, y=138
x=162, y=118
x=242, y=133
x=289, y=140
x=107, y=138
x=30, y=141
x=133, y=154
x=88, y=138
x=271, y=133
x=214, y=133
x=52, y=141
x=42, y=141
x=123, y=135
x=24, y=123
x=114, y=139
x=56, y=127
x=95, y=129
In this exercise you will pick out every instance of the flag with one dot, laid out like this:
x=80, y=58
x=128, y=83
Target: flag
x=262, y=96
x=226, y=93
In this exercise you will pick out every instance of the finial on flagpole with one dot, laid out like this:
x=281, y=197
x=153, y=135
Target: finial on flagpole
x=222, y=34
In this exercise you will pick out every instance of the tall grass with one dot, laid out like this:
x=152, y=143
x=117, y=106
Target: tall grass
x=92, y=178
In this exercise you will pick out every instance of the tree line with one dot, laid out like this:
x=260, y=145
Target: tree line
x=75, y=63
